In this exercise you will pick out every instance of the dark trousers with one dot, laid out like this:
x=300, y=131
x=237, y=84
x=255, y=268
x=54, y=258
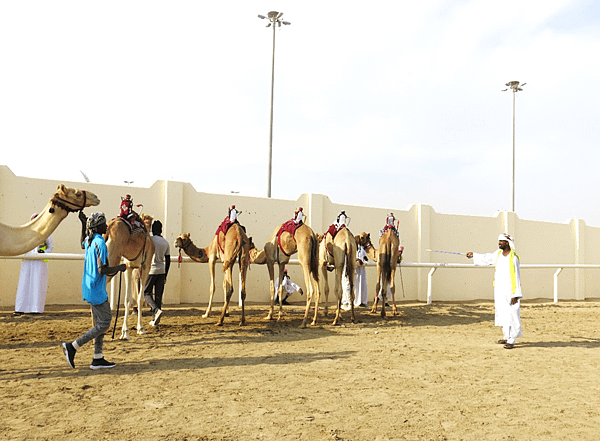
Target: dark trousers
x=156, y=282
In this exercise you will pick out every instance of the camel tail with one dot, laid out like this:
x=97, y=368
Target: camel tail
x=349, y=258
x=386, y=268
x=314, y=257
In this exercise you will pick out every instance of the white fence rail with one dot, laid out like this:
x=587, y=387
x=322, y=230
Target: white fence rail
x=434, y=266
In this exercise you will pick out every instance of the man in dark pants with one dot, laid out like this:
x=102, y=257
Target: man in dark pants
x=161, y=261
x=93, y=288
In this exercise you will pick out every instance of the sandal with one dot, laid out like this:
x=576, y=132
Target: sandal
x=509, y=346
x=501, y=342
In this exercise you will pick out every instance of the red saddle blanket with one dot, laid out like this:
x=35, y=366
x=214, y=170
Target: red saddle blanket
x=291, y=227
x=224, y=227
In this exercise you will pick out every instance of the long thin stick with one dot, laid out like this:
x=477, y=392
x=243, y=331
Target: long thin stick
x=447, y=252
x=118, y=303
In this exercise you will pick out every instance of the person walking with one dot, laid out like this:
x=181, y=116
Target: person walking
x=507, y=288
x=93, y=289
x=161, y=262
x=33, y=281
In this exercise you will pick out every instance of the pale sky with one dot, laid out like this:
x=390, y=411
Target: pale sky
x=383, y=104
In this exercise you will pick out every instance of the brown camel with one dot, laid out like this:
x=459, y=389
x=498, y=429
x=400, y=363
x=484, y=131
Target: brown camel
x=339, y=252
x=137, y=249
x=305, y=243
x=19, y=240
x=387, y=260
x=235, y=246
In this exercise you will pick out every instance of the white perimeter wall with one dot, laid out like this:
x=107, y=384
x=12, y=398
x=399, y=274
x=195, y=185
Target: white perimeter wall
x=183, y=209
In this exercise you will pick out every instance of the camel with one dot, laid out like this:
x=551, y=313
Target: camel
x=137, y=249
x=341, y=253
x=387, y=260
x=278, y=250
x=19, y=240
x=235, y=246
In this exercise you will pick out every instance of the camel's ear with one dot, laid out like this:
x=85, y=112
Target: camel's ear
x=368, y=236
x=62, y=187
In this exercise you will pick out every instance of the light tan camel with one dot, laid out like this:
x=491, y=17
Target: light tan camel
x=236, y=246
x=387, y=260
x=305, y=243
x=137, y=249
x=19, y=240
x=341, y=253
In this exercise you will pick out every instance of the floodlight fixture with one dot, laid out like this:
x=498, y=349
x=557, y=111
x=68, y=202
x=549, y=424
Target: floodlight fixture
x=514, y=86
x=274, y=18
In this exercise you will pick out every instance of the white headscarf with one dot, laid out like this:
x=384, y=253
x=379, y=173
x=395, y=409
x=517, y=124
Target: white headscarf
x=509, y=239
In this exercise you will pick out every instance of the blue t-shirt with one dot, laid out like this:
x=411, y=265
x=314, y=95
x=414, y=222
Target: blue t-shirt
x=93, y=286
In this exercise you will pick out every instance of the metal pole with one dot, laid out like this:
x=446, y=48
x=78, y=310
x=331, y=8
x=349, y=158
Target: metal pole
x=271, y=122
x=512, y=185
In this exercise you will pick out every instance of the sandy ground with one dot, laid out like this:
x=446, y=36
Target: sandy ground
x=430, y=373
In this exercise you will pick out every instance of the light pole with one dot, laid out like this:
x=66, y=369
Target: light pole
x=274, y=18
x=514, y=86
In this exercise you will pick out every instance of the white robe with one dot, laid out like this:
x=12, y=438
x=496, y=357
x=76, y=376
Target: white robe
x=288, y=286
x=507, y=316
x=33, y=282
x=361, y=294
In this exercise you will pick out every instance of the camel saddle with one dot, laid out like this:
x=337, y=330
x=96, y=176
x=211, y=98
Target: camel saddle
x=134, y=223
x=223, y=228
x=290, y=227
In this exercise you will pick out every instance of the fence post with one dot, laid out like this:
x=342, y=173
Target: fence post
x=556, y=284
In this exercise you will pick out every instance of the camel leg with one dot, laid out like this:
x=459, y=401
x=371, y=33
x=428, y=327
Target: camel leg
x=126, y=302
x=338, y=290
x=393, y=291
x=377, y=289
x=280, y=291
x=211, y=268
x=308, y=282
x=315, y=289
x=228, y=290
x=243, y=273
x=270, y=267
x=139, y=287
x=325, y=289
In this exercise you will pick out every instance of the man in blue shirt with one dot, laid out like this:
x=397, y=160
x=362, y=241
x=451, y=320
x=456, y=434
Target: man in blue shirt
x=93, y=289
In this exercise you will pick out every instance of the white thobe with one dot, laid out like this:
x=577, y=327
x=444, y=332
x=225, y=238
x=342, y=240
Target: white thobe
x=233, y=215
x=361, y=294
x=33, y=282
x=507, y=316
x=288, y=286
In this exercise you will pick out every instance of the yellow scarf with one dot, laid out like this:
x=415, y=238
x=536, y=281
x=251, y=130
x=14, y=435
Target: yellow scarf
x=513, y=272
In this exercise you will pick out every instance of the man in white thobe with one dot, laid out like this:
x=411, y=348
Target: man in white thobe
x=507, y=288
x=289, y=288
x=360, y=282
x=33, y=281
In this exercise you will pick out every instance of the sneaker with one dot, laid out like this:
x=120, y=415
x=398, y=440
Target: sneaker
x=69, y=352
x=101, y=363
x=156, y=320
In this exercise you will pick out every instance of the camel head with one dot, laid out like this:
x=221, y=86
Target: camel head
x=147, y=219
x=256, y=256
x=183, y=242
x=364, y=240
x=72, y=199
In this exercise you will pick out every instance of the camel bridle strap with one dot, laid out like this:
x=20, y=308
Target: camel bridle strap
x=62, y=203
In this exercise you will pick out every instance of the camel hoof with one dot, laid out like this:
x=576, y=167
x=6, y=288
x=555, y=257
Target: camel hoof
x=220, y=324
x=313, y=323
x=205, y=315
x=142, y=331
x=303, y=325
x=124, y=335
x=242, y=323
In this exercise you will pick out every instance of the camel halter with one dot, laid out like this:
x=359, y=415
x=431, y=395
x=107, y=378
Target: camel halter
x=61, y=203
